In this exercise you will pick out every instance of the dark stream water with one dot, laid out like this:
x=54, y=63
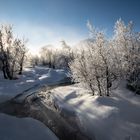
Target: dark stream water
x=34, y=106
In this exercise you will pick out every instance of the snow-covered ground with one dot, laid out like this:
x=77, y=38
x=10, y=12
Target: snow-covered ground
x=107, y=118
x=12, y=128
x=32, y=78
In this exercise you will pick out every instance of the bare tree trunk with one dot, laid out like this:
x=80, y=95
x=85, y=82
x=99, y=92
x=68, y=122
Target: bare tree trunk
x=107, y=81
x=21, y=66
x=4, y=71
x=12, y=68
x=99, y=86
x=8, y=71
x=92, y=89
x=21, y=69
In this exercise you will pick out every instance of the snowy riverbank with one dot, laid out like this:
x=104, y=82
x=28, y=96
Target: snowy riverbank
x=32, y=79
x=107, y=118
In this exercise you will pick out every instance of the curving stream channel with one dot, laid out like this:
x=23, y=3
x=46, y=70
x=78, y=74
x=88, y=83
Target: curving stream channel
x=33, y=105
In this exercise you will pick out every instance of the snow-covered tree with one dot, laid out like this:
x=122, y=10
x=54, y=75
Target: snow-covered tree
x=127, y=45
x=12, y=52
x=48, y=56
x=64, y=56
x=94, y=67
x=56, y=57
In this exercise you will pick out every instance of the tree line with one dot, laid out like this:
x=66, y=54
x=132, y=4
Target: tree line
x=103, y=62
x=98, y=63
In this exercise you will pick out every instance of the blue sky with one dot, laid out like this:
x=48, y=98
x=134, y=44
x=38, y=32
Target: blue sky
x=49, y=21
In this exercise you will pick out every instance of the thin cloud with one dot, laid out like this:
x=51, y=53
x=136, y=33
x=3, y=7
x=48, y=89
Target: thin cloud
x=39, y=35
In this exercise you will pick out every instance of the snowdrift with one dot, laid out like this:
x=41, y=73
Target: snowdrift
x=32, y=79
x=105, y=118
x=12, y=128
